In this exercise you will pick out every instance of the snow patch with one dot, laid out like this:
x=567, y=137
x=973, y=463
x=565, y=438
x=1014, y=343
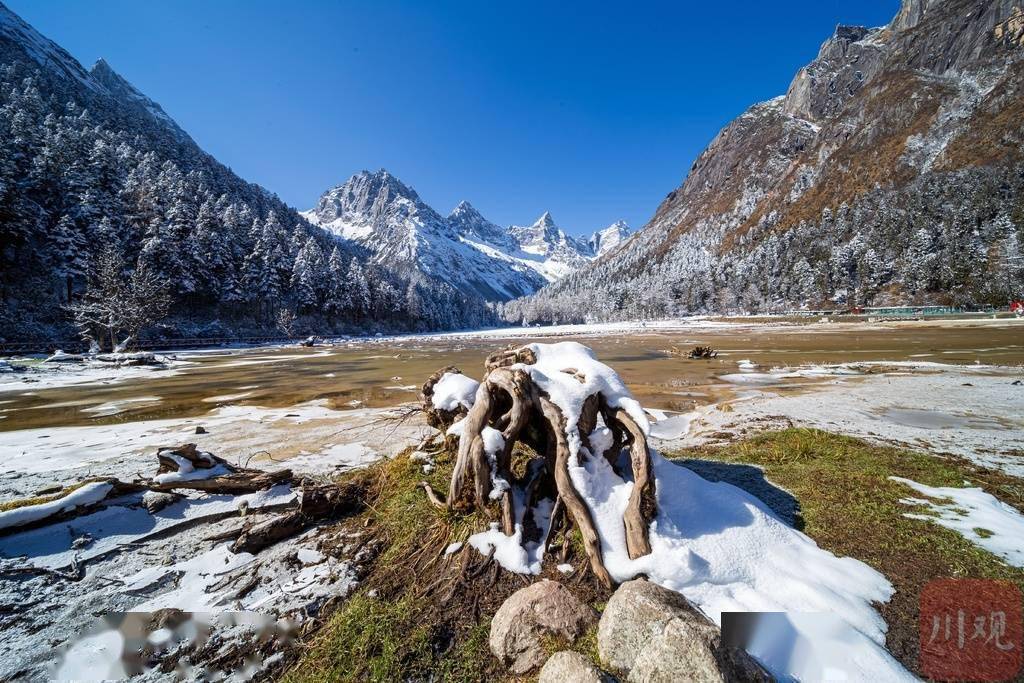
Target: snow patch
x=84, y=495
x=980, y=517
x=453, y=390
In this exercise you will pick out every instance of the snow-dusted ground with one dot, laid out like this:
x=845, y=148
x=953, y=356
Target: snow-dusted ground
x=135, y=560
x=979, y=517
x=976, y=412
x=323, y=438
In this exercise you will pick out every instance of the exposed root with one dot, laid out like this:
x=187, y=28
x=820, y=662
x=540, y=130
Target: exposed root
x=432, y=496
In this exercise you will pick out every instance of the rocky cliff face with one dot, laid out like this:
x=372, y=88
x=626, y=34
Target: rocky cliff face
x=603, y=241
x=889, y=171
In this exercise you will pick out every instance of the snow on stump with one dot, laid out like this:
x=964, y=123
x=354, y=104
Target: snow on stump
x=571, y=667
x=653, y=634
x=545, y=608
x=185, y=467
x=447, y=396
x=559, y=400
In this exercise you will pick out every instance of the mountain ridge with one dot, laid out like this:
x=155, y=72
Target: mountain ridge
x=889, y=172
x=89, y=165
x=379, y=212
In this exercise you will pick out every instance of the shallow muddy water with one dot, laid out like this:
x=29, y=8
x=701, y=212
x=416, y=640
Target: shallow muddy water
x=382, y=372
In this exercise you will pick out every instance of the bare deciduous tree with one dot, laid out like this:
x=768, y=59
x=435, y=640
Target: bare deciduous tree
x=119, y=305
x=286, y=321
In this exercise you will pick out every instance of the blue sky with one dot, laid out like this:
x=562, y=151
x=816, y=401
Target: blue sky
x=591, y=111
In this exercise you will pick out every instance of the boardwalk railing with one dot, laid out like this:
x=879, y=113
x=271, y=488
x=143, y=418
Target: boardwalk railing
x=79, y=346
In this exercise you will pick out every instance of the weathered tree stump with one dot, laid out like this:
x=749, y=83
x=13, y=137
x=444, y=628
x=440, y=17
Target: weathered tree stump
x=702, y=352
x=510, y=408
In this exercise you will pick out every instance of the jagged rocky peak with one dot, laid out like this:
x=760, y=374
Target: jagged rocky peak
x=116, y=84
x=844, y=63
x=540, y=237
x=603, y=241
x=464, y=211
x=545, y=221
x=471, y=224
x=365, y=197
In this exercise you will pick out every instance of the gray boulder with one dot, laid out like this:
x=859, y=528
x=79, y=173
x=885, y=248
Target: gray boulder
x=571, y=667
x=545, y=608
x=655, y=635
x=691, y=651
x=636, y=613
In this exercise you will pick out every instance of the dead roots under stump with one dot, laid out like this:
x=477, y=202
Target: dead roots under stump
x=509, y=401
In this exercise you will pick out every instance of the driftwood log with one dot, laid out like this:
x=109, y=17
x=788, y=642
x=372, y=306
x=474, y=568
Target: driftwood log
x=510, y=402
x=236, y=480
x=316, y=504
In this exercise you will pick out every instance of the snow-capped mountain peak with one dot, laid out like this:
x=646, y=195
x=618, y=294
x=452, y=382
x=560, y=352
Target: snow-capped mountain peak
x=464, y=249
x=555, y=253
x=603, y=241
x=470, y=224
x=545, y=221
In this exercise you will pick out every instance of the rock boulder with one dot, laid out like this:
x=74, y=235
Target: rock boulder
x=655, y=635
x=571, y=667
x=545, y=608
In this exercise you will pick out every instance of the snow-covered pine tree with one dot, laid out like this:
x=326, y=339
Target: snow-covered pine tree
x=337, y=300
x=309, y=276
x=358, y=290
x=69, y=253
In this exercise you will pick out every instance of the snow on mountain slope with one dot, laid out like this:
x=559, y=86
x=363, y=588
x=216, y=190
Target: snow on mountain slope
x=48, y=54
x=603, y=241
x=548, y=249
x=403, y=233
x=891, y=172
x=387, y=217
x=127, y=93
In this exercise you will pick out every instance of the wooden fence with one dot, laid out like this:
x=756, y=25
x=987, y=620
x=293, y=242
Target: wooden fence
x=79, y=346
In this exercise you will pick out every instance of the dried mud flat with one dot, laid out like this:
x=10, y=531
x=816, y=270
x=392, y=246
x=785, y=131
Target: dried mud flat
x=939, y=388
